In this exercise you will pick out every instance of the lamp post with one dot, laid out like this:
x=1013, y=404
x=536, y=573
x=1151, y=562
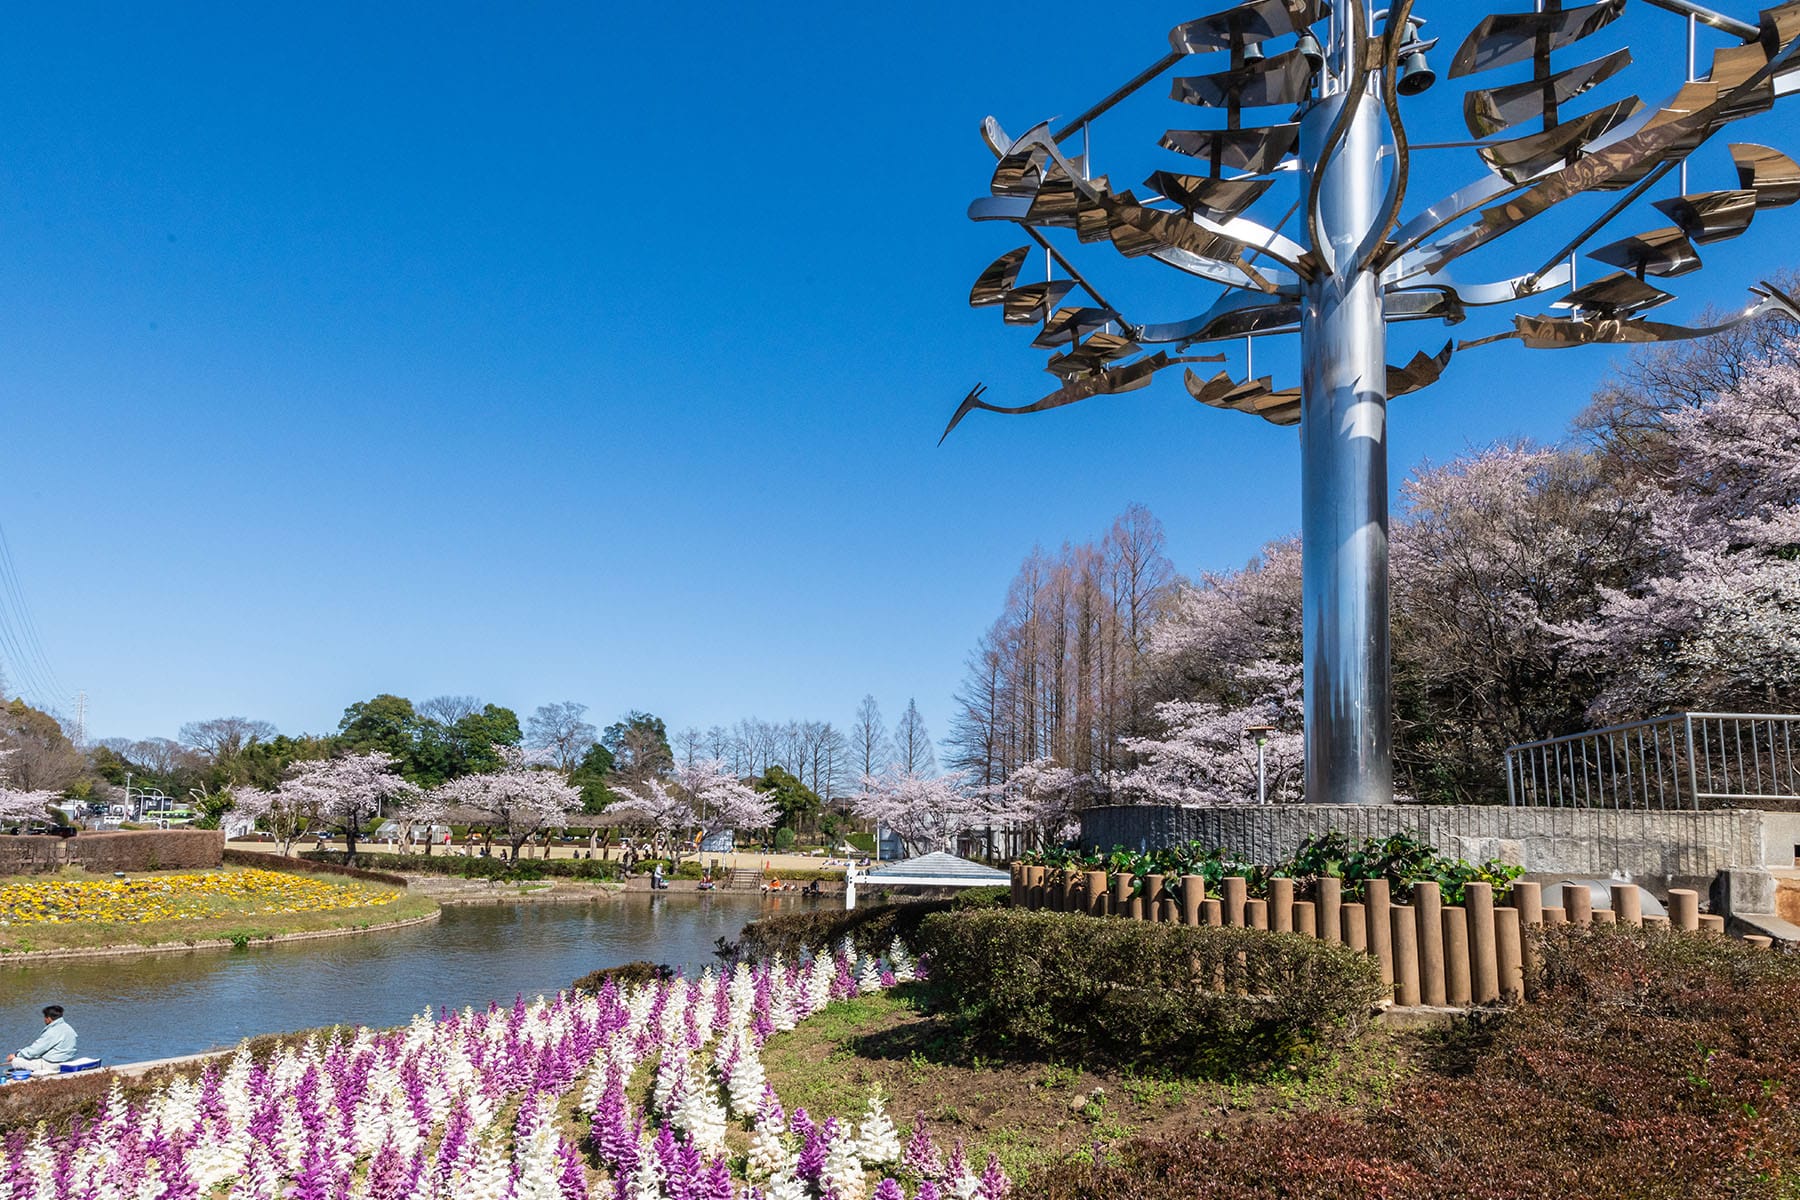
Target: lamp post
x=1354, y=262
x=1261, y=734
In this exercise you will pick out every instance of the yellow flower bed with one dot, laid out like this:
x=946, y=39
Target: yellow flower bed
x=178, y=897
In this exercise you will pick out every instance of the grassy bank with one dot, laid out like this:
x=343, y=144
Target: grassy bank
x=75, y=910
x=1035, y=1115
x=1654, y=1065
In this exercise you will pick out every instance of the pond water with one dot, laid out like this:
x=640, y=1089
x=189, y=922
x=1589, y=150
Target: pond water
x=160, y=1005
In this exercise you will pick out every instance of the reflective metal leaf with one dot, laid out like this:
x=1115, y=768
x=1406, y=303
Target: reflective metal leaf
x=1278, y=79
x=1027, y=305
x=1256, y=397
x=1219, y=199
x=1256, y=149
x=1619, y=292
x=1523, y=157
x=1488, y=111
x=1711, y=216
x=1661, y=252
x=1138, y=230
x=1780, y=25
x=1772, y=175
x=1126, y=378
x=1421, y=371
x=1501, y=39
x=1067, y=324
x=1249, y=23
x=1018, y=172
x=1097, y=352
x=998, y=278
x=1732, y=67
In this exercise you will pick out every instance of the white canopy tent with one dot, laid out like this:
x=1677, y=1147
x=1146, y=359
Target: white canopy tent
x=937, y=869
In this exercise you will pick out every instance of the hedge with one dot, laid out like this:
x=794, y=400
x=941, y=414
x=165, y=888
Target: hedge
x=477, y=868
x=871, y=928
x=308, y=866
x=102, y=852
x=1223, y=1002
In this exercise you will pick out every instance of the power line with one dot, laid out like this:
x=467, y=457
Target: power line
x=18, y=635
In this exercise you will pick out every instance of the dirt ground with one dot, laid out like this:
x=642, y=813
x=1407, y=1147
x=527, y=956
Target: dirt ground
x=1034, y=1114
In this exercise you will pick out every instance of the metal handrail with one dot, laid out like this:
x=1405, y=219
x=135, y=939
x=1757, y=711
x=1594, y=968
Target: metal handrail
x=1688, y=760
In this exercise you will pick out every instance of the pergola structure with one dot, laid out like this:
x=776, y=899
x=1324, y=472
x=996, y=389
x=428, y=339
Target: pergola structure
x=1345, y=257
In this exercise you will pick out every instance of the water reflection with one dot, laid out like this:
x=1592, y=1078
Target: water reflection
x=158, y=1005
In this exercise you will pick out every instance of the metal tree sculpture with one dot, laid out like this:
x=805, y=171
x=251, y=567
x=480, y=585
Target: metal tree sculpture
x=1356, y=263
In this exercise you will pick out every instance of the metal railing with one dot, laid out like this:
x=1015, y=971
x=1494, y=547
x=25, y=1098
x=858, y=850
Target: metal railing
x=1681, y=761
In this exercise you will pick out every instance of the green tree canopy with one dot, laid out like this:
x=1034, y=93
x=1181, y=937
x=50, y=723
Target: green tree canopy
x=794, y=801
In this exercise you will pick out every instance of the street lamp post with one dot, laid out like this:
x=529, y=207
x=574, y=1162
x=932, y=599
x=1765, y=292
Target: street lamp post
x=1261, y=734
x=1354, y=262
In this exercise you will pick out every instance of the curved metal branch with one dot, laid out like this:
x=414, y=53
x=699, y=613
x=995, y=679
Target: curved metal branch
x=1352, y=98
x=1371, y=251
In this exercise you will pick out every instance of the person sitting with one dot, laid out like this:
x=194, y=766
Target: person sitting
x=812, y=889
x=706, y=881
x=773, y=885
x=55, y=1046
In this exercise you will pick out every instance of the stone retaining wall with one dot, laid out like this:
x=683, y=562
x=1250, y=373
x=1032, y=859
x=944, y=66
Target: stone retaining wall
x=1584, y=842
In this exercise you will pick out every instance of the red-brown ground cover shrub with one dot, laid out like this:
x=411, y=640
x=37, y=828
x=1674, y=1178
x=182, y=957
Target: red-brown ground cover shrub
x=1654, y=1066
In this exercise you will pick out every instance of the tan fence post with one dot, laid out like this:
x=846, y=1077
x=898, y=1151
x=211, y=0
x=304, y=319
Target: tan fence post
x=1065, y=889
x=1233, y=889
x=1193, y=892
x=1096, y=893
x=1428, y=905
x=1626, y=905
x=1121, y=894
x=1256, y=913
x=1034, y=887
x=1306, y=921
x=1606, y=916
x=1684, y=909
x=1329, y=892
x=1508, y=955
x=1712, y=923
x=1355, y=931
x=1211, y=913
x=1578, y=903
x=1759, y=939
x=1381, y=937
x=1403, y=935
x=1484, y=968
x=1017, y=881
x=1281, y=905
x=1456, y=955
x=1528, y=898
x=1153, y=897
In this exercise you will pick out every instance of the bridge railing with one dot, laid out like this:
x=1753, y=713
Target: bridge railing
x=1688, y=760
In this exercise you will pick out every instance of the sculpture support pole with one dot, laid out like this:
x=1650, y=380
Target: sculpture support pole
x=1344, y=481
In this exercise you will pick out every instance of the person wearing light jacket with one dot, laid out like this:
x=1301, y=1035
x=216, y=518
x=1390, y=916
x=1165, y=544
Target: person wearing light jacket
x=55, y=1046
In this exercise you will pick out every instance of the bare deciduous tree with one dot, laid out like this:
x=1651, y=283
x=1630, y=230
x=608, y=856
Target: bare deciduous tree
x=559, y=730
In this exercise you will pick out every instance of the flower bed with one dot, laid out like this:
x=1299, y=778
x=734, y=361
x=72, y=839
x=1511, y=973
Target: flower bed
x=659, y=1084
x=178, y=897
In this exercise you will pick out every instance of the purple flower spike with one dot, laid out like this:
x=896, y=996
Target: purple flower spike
x=928, y=1191
x=921, y=1158
x=994, y=1183
x=888, y=1189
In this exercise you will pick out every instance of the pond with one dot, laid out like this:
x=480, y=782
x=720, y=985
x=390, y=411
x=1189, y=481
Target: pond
x=160, y=1005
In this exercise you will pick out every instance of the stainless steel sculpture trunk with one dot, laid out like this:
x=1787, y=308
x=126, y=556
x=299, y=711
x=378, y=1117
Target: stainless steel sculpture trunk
x=1344, y=483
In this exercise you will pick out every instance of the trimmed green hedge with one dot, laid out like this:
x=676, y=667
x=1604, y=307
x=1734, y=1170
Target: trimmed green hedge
x=871, y=928
x=1224, y=1002
x=476, y=868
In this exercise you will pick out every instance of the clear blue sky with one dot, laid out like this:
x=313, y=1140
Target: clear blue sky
x=599, y=352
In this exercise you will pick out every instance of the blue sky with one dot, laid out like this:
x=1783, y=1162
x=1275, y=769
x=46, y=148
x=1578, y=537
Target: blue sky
x=558, y=351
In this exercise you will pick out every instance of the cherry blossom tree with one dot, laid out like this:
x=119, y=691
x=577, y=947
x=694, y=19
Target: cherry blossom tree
x=1207, y=754
x=522, y=800
x=704, y=796
x=1715, y=622
x=1039, y=802
x=926, y=814
x=286, y=812
x=346, y=793
x=19, y=805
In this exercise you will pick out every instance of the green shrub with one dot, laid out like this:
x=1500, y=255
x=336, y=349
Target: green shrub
x=861, y=841
x=457, y=866
x=628, y=974
x=982, y=897
x=784, y=839
x=871, y=928
x=1072, y=988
